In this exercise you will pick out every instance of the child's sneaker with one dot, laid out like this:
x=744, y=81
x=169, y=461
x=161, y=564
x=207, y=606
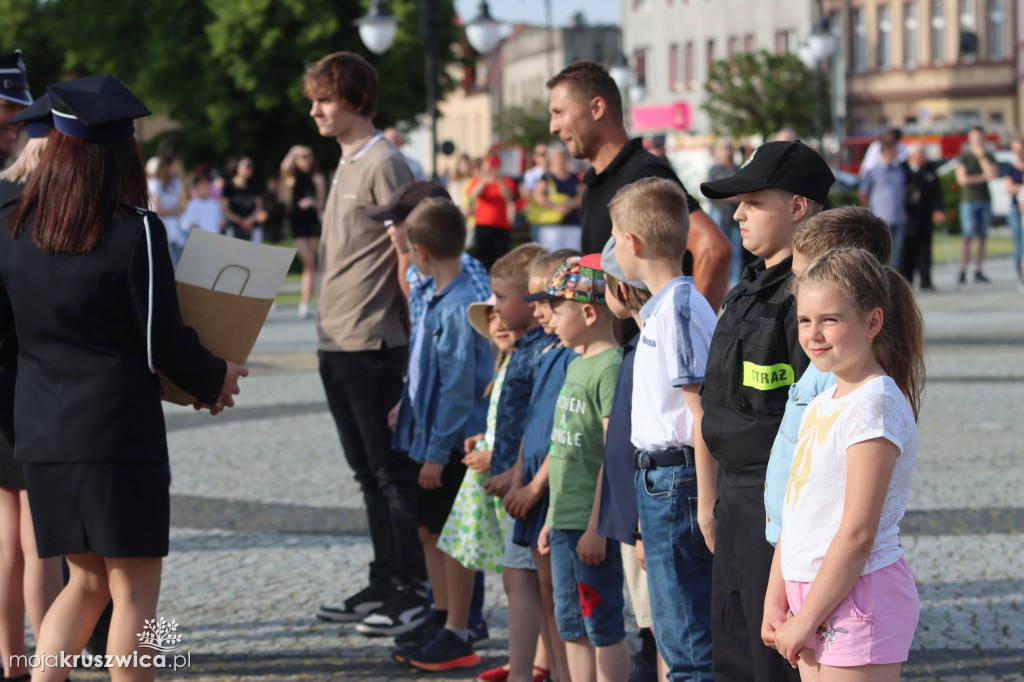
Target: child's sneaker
x=444, y=652
x=404, y=611
x=356, y=607
x=420, y=636
x=481, y=637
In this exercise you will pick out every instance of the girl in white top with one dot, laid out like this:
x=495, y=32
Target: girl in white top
x=841, y=601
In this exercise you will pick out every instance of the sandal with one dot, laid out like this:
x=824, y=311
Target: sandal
x=540, y=674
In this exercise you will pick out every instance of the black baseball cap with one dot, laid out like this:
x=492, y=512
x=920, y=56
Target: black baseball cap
x=792, y=166
x=95, y=108
x=37, y=117
x=405, y=199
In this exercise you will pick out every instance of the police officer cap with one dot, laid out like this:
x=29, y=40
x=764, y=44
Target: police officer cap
x=792, y=166
x=95, y=108
x=37, y=117
x=13, y=81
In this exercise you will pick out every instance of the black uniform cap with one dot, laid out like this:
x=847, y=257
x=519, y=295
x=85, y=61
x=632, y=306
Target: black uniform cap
x=37, y=117
x=95, y=108
x=13, y=80
x=792, y=166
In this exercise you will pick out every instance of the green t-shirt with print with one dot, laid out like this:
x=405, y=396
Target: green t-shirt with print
x=577, y=440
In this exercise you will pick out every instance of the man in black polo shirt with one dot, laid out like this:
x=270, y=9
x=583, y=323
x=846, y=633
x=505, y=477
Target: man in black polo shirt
x=586, y=114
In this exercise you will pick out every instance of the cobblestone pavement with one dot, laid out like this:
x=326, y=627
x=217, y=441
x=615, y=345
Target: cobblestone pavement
x=267, y=521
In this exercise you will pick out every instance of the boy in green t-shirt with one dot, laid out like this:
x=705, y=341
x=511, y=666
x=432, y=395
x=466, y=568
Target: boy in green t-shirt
x=586, y=569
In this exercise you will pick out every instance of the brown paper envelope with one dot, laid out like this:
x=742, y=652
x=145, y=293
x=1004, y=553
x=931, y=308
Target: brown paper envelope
x=227, y=325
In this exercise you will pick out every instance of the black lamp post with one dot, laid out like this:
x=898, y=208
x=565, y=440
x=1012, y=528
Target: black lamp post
x=820, y=44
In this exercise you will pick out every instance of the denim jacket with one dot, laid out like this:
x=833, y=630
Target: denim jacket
x=455, y=367
x=811, y=384
x=515, y=397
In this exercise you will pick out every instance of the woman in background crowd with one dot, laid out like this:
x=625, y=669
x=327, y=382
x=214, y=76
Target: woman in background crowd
x=303, y=192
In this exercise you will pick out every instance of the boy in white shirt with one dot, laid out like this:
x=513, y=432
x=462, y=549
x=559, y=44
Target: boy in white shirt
x=676, y=474
x=203, y=212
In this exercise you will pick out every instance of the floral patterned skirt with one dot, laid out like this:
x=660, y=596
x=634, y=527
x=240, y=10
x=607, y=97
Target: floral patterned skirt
x=474, y=534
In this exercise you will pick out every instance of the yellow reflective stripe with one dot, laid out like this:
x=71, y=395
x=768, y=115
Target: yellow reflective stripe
x=763, y=378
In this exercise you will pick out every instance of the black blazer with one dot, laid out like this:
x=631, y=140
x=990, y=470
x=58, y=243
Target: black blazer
x=84, y=391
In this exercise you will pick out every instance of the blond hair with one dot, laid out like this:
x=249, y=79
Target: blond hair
x=899, y=345
x=26, y=162
x=656, y=211
x=852, y=226
x=513, y=267
x=439, y=226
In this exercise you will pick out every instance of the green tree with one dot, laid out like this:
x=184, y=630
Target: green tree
x=526, y=126
x=227, y=72
x=759, y=93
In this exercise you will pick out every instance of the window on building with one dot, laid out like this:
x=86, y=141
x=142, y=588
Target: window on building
x=688, y=65
x=996, y=15
x=730, y=49
x=859, y=46
x=709, y=55
x=640, y=75
x=967, y=13
x=937, y=28
x=782, y=42
x=674, y=82
x=884, y=56
x=748, y=43
x=910, y=35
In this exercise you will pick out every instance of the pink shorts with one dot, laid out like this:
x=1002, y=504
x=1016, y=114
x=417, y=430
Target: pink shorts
x=874, y=624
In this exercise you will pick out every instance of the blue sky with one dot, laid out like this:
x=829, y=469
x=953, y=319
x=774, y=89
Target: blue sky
x=532, y=11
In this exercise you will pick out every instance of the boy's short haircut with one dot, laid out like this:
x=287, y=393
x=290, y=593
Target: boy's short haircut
x=588, y=80
x=347, y=75
x=656, y=211
x=847, y=226
x=637, y=297
x=545, y=265
x=439, y=226
x=513, y=267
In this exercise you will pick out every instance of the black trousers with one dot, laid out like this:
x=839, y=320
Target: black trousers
x=361, y=388
x=917, y=253
x=739, y=580
x=489, y=244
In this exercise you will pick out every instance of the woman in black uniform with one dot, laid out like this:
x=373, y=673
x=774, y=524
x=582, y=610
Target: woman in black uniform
x=27, y=583
x=86, y=286
x=303, y=191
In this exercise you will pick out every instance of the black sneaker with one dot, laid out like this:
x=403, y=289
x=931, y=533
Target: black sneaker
x=356, y=607
x=962, y=279
x=642, y=668
x=444, y=652
x=424, y=632
x=481, y=637
x=980, y=278
x=431, y=623
x=404, y=611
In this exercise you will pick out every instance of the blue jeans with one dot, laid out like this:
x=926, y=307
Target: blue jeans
x=678, y=569
x=975, y=217
x=899, y=234
x=1017, y=232
x=588, y=599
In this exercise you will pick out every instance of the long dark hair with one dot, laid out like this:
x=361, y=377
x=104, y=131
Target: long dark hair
x=76, y=190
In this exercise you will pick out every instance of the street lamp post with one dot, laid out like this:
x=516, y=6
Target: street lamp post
x=820, y=46
x=378, y=28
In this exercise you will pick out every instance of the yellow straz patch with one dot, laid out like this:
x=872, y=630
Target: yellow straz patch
x=763, y=378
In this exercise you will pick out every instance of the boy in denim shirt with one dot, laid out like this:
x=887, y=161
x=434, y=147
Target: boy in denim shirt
x=446, y=384
x=848, y=226
x=586, y=569
x=675, y=475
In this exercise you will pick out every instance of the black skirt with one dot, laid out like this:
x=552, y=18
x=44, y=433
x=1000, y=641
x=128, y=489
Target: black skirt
x=114, y=510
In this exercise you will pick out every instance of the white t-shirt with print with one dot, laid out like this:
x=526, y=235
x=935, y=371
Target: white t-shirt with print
x=816, y=490
x=672, y=352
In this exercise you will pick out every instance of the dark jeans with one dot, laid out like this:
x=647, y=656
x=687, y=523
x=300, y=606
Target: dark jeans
x=361, y=388
x=489, y=244
x=739, y=580
x=917, y=253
